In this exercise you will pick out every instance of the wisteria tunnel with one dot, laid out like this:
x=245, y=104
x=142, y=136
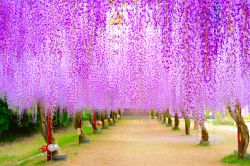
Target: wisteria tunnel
x=168, y=79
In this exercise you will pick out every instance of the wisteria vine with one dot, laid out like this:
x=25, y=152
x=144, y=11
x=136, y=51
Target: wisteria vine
x=139, y=54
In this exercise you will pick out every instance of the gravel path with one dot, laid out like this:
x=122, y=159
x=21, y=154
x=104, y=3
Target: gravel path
x=142, y=142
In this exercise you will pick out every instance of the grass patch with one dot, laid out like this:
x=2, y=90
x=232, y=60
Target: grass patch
x=17, y=135
x=176, y=129
x=204, y=144
x=199, y=145
x=233, y=159
x=88, y=130
x=224, y=123
x=64, y=139
x=19, y=150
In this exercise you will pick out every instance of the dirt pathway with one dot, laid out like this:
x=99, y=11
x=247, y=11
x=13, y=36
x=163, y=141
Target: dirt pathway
x=149, y=143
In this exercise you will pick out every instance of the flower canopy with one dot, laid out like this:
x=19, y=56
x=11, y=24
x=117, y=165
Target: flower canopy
x=187, y=55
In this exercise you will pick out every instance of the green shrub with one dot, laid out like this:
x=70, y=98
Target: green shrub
x=14, y=125
x=5, y=115
x=61, y=119
x=26, y=122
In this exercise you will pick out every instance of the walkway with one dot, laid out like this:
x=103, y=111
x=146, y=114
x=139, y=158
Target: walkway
x=142, y=142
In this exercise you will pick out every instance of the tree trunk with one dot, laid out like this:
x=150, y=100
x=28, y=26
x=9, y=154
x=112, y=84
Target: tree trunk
x=103, y=120
x=204, y=133
x=164, y=118
x=152, y=114
x=187, y=123
x=187, y=126
x=44, y=123
x=92, y=120
x=243, y=133
x=109, y=121
x=112, y=116
x=120, y=114
x=46, y=128
x=176, y=121
x=47, y=132
x=78, y=125
x=115, y=116
x=170, y=122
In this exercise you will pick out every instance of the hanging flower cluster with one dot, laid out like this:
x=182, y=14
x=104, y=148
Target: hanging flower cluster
x=139, y=54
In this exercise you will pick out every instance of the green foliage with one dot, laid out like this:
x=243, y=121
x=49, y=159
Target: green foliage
x=86, y=114
x=218, y=117
x=14, y=125
x=27, y=123
x=61, y=119
x=247, y=118
x=223, y=120
x=5, y=115
x=207, y=114
x=151, y=113
x=156, y=114
x=66, y=120
x=99, y=115
x=233, y=159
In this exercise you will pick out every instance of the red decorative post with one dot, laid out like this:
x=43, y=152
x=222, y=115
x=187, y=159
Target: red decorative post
x=49, y=154
x=94, y=120
x=109, y=122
